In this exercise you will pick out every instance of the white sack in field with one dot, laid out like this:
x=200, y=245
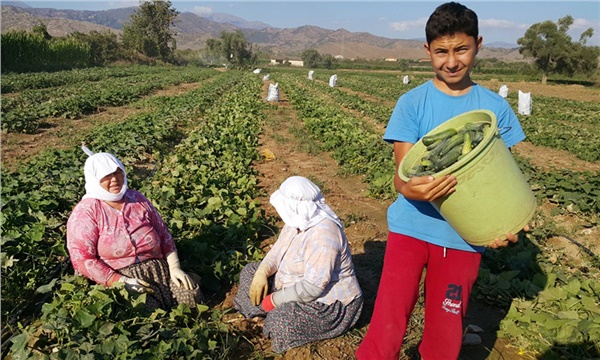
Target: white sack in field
x=524, y=103
x=503, y=91
x=273, y=94
x=333, y=80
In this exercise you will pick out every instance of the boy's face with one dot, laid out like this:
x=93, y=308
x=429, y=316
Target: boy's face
x=452, y=57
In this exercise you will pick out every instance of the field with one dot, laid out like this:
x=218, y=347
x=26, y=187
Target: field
x=208, y=150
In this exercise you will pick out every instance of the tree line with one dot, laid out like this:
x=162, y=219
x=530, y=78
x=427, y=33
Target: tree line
x=148, y=38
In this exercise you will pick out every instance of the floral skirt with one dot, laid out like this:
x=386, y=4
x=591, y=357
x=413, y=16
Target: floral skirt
x=166, y=293
x=294, y=323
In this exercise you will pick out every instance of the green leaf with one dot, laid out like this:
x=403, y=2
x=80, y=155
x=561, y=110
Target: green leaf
x=573, y=287
x=509, y=275
x=555, y=323
x=46, y=288
x=566, y=334
x=84, y=318
x=590, y=304
x=7, y=261
x=553, y=294
x=106, y=329
x=212, y=345
x=37, y=232
x=572, y=315
x=202, y=308
x=19, y=342
x=67, y=287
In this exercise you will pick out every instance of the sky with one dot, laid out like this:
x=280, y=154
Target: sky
x=499, y=20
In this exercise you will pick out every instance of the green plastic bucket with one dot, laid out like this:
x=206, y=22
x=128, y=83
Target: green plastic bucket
x=492, y=196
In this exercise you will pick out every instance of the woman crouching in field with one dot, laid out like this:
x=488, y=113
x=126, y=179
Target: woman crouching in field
x=305, y=287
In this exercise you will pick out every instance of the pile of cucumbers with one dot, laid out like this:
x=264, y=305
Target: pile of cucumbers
x=446, y=147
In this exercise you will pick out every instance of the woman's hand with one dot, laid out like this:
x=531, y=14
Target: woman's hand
x=427, y=188
x=178, y=276
x=137, y=286
x=510, y=239
x=259, y=287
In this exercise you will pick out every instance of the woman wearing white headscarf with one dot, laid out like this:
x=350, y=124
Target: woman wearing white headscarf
x=305, y=287
x=115, y=234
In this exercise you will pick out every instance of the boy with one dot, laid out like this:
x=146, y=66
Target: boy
x=418, y=236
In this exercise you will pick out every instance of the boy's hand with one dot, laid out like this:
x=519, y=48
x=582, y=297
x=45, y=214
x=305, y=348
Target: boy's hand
x=510, y=239
x=427, y=188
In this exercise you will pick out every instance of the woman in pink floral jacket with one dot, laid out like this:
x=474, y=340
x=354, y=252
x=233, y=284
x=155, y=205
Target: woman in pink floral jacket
x=115, y=234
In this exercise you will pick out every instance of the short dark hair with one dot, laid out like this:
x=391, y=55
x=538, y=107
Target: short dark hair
x=451, y=18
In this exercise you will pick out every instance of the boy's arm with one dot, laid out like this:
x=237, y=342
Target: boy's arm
x=426, y=188
x=423, y=188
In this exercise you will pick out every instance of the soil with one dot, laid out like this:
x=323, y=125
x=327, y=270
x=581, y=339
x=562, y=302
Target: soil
x=286, y=153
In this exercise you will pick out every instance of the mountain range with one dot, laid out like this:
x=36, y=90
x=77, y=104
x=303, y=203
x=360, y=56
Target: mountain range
x=193, y=30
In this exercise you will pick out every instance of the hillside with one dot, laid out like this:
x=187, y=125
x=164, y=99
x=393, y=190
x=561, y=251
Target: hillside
x=192, y=31
x=17, y=19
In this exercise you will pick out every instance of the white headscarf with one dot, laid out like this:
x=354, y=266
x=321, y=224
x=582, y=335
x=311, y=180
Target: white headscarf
x=301, y=205
x=98, y=166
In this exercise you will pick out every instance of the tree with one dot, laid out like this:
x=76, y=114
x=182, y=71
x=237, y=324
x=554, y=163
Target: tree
x=311, y=58
x=149, y=32
x=104, y=47
x=553, y=50
x=232, y=47
x=328, y=62
x=42, y=29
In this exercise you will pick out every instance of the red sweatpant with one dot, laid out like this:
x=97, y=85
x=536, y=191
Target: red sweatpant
x=449, y=279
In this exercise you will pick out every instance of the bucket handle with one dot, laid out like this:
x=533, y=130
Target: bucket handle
x=504, y=130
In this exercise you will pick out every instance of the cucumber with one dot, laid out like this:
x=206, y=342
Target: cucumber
x=454, y=141
x=430, y=139
x=467, y=145
x=450, y=158
x=438, y=149
x=475, y=126
x=435, y=144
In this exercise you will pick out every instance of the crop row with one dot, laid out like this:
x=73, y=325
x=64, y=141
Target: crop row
x=20, y=113
x=563, y=124
x=374, y=109
x=17, y=82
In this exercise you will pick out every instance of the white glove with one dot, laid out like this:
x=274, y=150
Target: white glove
x=259, y=286
x=179, y=277
x=136, y=285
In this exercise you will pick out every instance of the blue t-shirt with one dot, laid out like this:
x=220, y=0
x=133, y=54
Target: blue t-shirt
x=416, y=113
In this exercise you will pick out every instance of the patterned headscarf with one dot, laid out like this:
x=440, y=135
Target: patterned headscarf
x=301, y=205
x=98, y=166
